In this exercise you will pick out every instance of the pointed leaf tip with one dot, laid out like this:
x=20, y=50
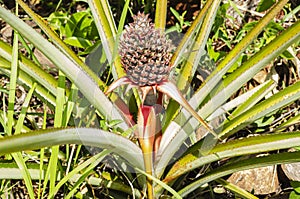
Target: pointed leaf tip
x=172, y=91
x=119, y=82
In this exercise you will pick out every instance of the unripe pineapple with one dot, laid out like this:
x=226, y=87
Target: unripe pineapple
x=145, y=52
x=145, y=55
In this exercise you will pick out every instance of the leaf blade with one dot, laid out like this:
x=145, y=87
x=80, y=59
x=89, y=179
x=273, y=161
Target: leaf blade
x=86, y=136
x=82, y=80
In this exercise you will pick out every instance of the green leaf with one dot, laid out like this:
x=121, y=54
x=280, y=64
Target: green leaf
x=296, y=186
x=215, y=55
x=161, y=14
x=10, y=170
x=122, y=22
x=79, y=25
x=27, y=81
x=176, y=14
x=233, y=81
x=25, y=172
x=294, y=195
x=60, y=44
x=289, y=122
x=183, y=129
x=78, y=42
x=240, y=166
x=208, y=153
x=105, y=24
x=30, y=68
x=188, y=36
x=162, y=184
x=197, y=51
x=85, y=136
x=12, y=85
x=52, y=170
x=171, y=90
x=275, y=102
x=236, y=189
x=216, y=76
x=73, y=71
x=185, y=43
x=56, y=20
x=244, y=101
x=287, y=55
x=264, y=5
x=97, y=158
x=10, y=114
x=261, y=91
x=18, y=127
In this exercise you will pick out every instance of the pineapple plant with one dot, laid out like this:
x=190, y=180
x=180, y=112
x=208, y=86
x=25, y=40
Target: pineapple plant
x=146, y=56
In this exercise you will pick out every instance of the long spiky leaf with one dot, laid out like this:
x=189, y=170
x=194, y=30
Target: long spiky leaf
x=58, y=42
x=251, y=145
x=171, y=90
x=85, y=136
x=161, y=14
x=183, y=130
x=216, y=76
x=108, y=33
x=82, y=80
x=240, y=166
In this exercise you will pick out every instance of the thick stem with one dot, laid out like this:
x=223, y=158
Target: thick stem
x=147, y=129
x=147, y=147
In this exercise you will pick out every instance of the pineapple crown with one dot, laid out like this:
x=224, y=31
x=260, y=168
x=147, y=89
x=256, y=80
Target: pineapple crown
x=145, y=52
